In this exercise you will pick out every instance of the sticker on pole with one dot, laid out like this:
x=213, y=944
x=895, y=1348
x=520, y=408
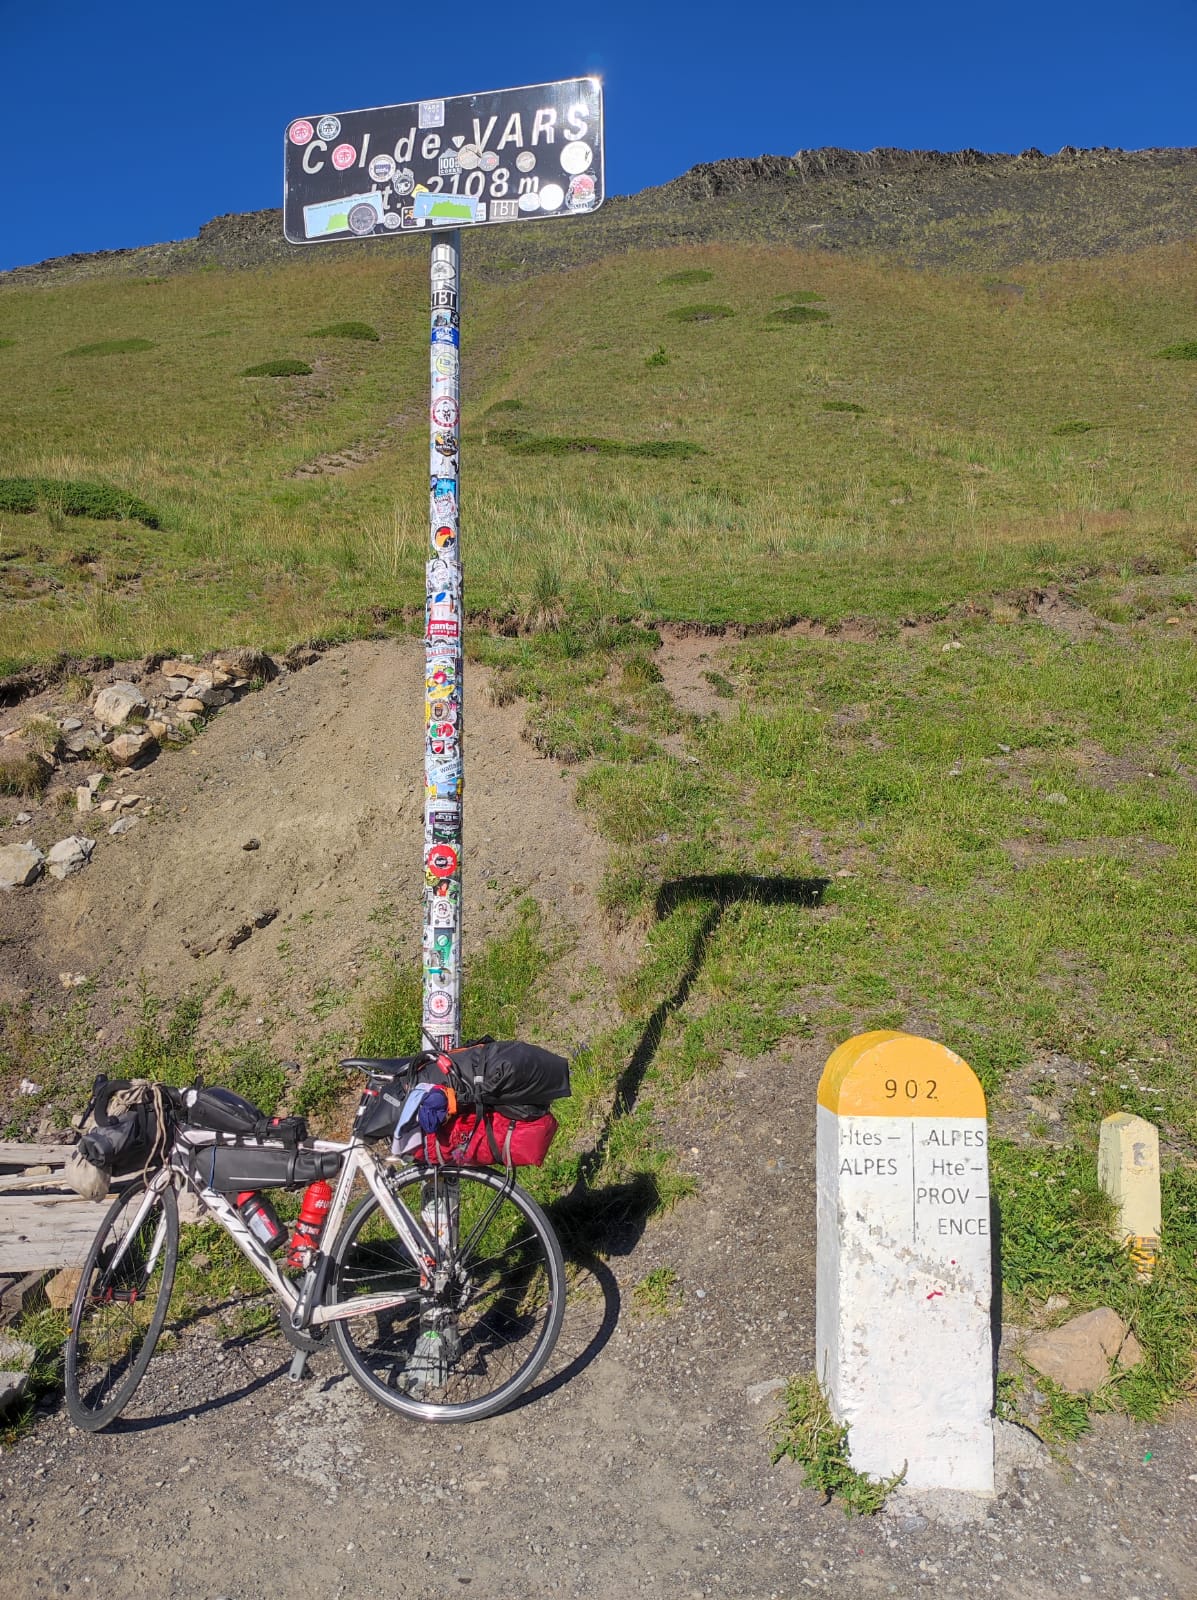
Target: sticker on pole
x=509, y=155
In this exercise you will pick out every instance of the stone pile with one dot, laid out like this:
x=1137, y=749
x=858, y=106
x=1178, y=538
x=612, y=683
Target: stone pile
x=128, y=725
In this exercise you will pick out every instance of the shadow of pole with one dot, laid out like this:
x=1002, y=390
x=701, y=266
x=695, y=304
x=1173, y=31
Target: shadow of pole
x=720, y=890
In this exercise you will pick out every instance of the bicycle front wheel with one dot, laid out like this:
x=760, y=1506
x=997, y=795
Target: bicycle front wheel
x=121, y=1304
x=480, y=1321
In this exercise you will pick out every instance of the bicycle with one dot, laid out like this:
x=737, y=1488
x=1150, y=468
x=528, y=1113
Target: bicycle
x=444, y=1287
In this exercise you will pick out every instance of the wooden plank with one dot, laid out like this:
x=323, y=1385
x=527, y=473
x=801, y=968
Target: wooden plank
x=13, y=1154
x=21, y=1293
x=17, y=1182
x=45, y=1231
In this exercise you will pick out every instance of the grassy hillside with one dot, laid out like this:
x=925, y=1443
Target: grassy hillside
x=910, y=441
x=976, y=494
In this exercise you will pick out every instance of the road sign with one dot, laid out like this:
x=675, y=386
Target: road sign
x=510, y=155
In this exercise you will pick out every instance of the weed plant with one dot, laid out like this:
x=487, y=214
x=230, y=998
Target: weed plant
x=808, y=1434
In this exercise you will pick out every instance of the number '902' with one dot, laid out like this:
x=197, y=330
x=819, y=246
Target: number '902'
x=911, y=1089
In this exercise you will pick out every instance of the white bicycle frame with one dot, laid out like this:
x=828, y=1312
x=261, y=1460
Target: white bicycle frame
x=358, y=1160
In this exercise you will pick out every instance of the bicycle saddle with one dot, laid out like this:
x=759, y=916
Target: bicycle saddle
x=384, y=1067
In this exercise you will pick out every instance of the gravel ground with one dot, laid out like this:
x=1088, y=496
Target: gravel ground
x=638, y=1465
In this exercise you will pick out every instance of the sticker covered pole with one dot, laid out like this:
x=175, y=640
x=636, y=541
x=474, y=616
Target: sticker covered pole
x=444, y=662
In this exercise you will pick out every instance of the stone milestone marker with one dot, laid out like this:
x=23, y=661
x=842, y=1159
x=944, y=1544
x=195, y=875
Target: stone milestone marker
x=904, y=1345
x=1128, y=1169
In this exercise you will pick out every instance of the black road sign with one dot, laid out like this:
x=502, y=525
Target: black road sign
x=512, y=155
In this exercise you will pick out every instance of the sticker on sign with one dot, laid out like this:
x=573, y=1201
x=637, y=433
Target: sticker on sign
x=457, y=158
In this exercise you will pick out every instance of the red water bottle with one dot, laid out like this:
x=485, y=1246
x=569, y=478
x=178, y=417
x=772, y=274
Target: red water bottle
x=310, y=1224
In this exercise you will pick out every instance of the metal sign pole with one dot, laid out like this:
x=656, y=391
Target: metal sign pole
x=503, y=156
x=444, y=661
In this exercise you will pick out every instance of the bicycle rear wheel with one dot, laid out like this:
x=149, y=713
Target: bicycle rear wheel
x=480, y=1325
x=121, y=1304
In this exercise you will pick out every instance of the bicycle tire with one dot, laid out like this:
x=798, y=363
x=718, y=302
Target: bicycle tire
x=499, y=1314
x=110, y=1342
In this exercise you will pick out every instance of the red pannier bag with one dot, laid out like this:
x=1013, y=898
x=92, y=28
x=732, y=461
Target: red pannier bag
x=493, y=1141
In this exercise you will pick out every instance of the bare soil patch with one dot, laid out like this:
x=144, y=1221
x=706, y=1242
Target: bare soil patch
x=323, y=769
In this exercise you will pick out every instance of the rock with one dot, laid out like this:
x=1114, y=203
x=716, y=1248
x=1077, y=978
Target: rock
x=68, y=855
x=133, y=747
x=1056, y=799
x=60, y=1291
x=123, y=825
x=160, y=729
x=83, y=797
x=117, y=703
x=175, y=686
x=20, y=864
x=1077, y=1355
x=252, y=844
x=107, y=806
x=186, y=670
x=22, y=817
x=69, y=724
x=191, y=707
x=12, y=1387
x=72, y=980
x=27, y=1086
x=127, y=801
x=207, y=694
x=16, y=1354
x=83, y=743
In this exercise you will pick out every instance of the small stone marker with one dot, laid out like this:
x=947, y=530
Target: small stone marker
x=903, y=1338
x=1128, y=1169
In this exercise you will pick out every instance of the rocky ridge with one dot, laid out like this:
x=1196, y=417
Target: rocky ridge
x=932, y=207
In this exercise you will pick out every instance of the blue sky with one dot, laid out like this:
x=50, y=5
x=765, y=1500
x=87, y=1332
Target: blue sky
x=136, y=122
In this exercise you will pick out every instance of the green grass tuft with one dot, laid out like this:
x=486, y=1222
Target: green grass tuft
x=113, y=347
x=797, y=314
x=346, y=330
x=807, y=1433
x=71, y=498
x=699, y=313
x=844, y=405
x=688, y=277
x=284, y=367
x=798, y=296
x=504, y=405
x=658, y=358
x=521, y=443
x=1185, y=351
x=656, y=1294
x=1063, y=429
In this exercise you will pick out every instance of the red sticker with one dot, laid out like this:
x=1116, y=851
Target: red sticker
x=444, y=412
x=300, y=132
x=343, y=156
x=443, y=538
x=442, y=861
